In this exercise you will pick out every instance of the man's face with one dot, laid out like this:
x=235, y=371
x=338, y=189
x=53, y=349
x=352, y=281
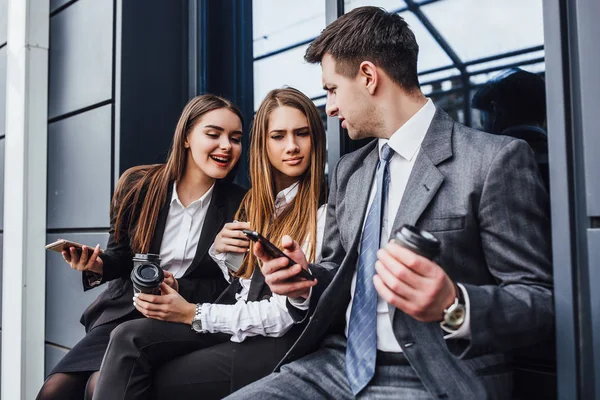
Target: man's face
x=349, y=100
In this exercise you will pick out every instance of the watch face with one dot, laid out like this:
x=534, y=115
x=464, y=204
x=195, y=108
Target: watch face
x=455, y=316
x=197, y=325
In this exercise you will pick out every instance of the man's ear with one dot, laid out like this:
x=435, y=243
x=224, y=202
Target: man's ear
x=369, y=75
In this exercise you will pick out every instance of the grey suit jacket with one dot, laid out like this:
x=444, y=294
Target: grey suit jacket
x=483, y=197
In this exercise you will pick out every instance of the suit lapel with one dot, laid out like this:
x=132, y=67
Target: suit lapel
x=424, y=182
x=425, y=178
x=159, y=231
x=214, y=219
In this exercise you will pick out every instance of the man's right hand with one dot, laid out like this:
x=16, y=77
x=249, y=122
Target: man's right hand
x=282, y=280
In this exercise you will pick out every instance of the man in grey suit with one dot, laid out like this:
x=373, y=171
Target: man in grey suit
x=385, y=322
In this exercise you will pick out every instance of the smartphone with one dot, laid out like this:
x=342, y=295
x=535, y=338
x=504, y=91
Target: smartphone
x=274, y=252
x=63, y=245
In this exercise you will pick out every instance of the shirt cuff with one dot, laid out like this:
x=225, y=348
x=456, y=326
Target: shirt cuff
x=227, y=262
x=300, y=303
x=204, y=310
x=464, y=332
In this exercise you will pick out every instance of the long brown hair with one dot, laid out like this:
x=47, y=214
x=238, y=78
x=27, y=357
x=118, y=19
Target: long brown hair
x=299, y=219
x=142, y=191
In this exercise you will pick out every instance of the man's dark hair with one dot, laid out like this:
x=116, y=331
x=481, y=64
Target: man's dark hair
x=370, y=34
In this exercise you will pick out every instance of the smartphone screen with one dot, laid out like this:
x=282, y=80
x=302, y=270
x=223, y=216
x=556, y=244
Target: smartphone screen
x=274, y=251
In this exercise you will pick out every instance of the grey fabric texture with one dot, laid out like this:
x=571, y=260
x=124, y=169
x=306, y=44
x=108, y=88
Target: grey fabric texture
x=483, y=197
x=321, y=375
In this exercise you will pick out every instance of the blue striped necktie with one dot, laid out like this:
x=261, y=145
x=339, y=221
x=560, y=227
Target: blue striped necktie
x=361, y=350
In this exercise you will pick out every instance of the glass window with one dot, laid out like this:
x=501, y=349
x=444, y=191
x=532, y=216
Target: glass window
x=279, y=24
x=388, y=5
x=431, y=55
x=477, y=29
x=286, y=69
x=435, y=76
x=519, y=59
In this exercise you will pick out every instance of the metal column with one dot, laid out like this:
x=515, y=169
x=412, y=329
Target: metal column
x=23, y=294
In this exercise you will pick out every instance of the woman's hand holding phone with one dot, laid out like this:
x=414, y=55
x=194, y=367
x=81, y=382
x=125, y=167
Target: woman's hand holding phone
x=283, y=280
x=85, y=259
x=231, y=239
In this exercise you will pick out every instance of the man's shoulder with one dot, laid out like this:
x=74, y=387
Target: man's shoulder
x=351, y=160
x=481, y=144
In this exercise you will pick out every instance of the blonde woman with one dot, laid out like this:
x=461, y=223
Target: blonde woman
x=242, y=336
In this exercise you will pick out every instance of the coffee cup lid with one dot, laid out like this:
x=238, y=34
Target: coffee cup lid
x=146, y=257
x=420, y=238
x=147, y=275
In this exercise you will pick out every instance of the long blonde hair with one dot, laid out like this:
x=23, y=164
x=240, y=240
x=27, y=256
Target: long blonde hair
x=299, y=219
x=142, y=190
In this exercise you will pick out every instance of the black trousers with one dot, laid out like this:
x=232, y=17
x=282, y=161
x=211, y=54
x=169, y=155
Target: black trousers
x=215, y=372
x=138, y=347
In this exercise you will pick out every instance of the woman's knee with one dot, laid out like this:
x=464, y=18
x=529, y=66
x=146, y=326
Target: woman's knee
x=63, y=386
x=134, y=332
x=91, y=386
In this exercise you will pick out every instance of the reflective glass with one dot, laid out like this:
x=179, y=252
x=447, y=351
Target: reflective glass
x=277, y=24
x=424, y=79
x=431, y=55
x=320, y=102
x=506, y=61
x=482, y=28
x=388, y=5
x=440, y=81
x=288, y=68
x=480, y=79
x=535, y=68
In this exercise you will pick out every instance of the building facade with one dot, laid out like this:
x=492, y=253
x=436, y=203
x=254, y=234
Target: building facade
x=113, y=75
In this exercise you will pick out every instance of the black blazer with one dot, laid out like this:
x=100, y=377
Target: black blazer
x=202, y=282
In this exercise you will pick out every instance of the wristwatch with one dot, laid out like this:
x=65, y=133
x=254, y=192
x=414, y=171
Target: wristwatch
x=196, y=321
x=454, y=316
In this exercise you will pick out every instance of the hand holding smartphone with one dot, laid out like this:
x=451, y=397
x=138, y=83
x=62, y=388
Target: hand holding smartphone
x=275, y=252
x=64, y=245
x=77, y=260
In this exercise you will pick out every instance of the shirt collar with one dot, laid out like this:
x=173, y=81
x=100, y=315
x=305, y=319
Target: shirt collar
x=198, y=203
x=286, y=196
x=408, y=138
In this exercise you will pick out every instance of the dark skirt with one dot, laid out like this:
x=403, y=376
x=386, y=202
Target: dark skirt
x=87, y=355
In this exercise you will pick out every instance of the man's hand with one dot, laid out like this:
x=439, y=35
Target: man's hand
x=281, y=280
x=412, y=283
x=168, y=307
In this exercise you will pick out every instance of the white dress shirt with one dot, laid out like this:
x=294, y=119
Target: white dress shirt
x=406, y=143
x=268, y=317
x=182, y=232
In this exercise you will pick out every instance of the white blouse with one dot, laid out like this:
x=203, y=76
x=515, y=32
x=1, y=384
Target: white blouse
x=268, y=317
x=182, y=232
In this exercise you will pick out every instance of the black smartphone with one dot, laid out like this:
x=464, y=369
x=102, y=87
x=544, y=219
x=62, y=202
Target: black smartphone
x=274, y=252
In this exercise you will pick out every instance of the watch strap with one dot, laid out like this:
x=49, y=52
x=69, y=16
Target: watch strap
x=197, y=321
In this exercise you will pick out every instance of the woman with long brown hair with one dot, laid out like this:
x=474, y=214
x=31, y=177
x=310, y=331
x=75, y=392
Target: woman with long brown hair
x=173, y=210
x=146, y=357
